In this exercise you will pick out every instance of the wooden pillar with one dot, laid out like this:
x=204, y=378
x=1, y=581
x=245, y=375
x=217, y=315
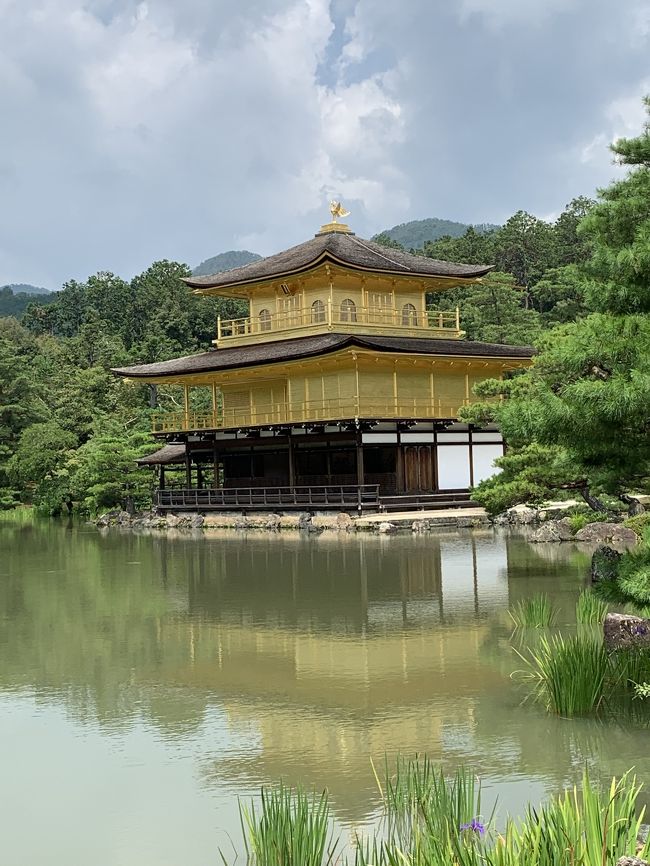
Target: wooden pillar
x=199, y=476
x=215, y=463
x=360, y=470
x=214, y=404
x=161, y=478
x=471, y=457
x=186, y=402
x=188, y=466
x=153, y=396
x=399, y=480
x=292, y=467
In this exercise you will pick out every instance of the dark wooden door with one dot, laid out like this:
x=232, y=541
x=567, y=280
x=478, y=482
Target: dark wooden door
x=418, y=469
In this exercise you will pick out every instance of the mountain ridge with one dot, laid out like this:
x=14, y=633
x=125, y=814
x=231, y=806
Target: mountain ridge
x=415, y=233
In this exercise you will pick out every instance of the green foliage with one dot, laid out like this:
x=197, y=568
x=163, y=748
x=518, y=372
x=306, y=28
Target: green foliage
x=431, y=820
x=587, y=394
x=493, y=312
x=640, y=524
x=642, y=690
x=579, y=519
x=14, y=300
x=633, y=578
x=576, y=676
x=529, y=474
x=578, y=522
x=568, y=674
x=292, y=828
x=102, y=473
x=525, y=248
x=590, y=609
x=417, y=233
x=559, y=295
x=535, y=612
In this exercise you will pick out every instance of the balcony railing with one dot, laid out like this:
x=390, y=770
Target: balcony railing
x=444, y=323
x=354, y=496
x=312, y=411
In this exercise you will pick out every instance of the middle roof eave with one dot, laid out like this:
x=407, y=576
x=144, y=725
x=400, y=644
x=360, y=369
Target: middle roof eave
x=308, y=347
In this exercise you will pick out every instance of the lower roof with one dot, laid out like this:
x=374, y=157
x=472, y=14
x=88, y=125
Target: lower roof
x=322, y=344
x=163, y=456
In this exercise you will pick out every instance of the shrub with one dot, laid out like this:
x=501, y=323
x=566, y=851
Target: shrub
x=633, y=577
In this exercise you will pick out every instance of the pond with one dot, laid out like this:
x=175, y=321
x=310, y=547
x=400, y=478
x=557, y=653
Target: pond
x=149, y=681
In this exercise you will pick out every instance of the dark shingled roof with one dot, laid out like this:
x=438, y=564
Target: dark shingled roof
x=339, y=248
x=308, y=347
x=163, y=456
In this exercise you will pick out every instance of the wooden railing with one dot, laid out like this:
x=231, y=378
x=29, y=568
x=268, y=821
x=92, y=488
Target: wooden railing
x=334, y=314
x=301, y=412
x=353, y=496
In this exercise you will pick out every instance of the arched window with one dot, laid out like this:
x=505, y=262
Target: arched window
x=348, y=310
x=409, y=315
x=317, y=312
x=265, y=320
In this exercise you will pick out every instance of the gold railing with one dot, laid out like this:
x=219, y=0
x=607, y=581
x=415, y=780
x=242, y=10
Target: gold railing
x=334, y=314
x=312, y=411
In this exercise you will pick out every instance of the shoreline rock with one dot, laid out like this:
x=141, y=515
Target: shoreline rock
x=622, y=631
x=600, y=533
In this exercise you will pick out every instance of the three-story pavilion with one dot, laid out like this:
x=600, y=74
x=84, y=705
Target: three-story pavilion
x=341, y=388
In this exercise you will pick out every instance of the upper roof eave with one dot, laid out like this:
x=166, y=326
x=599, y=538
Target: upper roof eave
x=352, y=252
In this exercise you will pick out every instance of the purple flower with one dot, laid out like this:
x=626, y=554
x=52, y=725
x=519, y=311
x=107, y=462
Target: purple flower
x=475, y=826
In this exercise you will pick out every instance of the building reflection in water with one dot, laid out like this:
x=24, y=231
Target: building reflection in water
x=320, y=653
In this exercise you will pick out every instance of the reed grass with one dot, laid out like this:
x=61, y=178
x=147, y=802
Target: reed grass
x=432, y=820
x=590, y=609
x=19, y=516
x=569, y=675
x=291, y=828
x=535, y=612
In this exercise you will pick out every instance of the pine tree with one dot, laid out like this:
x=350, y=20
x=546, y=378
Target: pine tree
x=587, y=394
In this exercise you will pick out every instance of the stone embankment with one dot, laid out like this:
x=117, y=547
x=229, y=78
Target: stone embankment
x=540, y=525
x=381, y=524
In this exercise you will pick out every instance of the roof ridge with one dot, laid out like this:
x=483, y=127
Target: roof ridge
x=361, y=243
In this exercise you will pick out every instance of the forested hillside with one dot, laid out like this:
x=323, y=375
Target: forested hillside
x=25, y=289
x=415, y=234
x=14, y=302
x=225, y=262
x=578, y=287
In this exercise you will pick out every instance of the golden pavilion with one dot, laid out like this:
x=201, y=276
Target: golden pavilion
x=340, y=389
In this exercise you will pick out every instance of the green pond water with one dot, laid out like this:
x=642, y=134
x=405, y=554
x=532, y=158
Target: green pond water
x=149, y=681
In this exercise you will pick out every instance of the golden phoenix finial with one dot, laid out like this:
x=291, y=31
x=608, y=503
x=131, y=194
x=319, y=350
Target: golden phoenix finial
x=337, y=210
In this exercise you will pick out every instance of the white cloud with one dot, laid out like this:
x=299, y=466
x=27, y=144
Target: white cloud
x=140, y=130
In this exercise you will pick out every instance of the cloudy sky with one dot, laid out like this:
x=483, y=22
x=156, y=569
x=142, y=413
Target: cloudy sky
x=134, y=131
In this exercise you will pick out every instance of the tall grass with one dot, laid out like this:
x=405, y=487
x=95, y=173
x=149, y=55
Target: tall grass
x=291, y=828
x=590, y=609
x=594, y=827
x=431, y=820
x=535, y=612
x=576, y=676
x=17, y=516
x=569, y=675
